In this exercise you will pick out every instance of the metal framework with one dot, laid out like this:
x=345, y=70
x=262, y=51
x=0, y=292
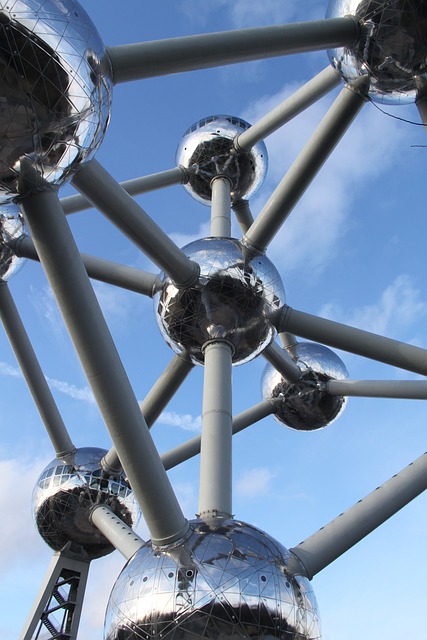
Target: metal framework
x=128, y=422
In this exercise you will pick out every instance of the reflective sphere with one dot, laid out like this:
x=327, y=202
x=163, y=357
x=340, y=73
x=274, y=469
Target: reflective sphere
x=55, y=90
x=11, y=228
x=228, y=580
x=233, y=300
x=206, y=150
x=65, y=493
x=305, y=405
x=392, y=50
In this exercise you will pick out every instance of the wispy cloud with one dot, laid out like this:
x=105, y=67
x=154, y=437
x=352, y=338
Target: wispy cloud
x=398, y=308
x=77, y=393
x=255, y=483
x=184, y=421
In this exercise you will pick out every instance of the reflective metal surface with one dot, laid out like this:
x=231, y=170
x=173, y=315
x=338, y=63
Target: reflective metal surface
x=65, y=493
x=55, y=90
x=392, y=50
x=228, y=581
x=207, y=150
x=306, y=405
x=11, y=228
x=232, y=300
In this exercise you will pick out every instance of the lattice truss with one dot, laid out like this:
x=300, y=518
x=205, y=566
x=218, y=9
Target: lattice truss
x=219, y=301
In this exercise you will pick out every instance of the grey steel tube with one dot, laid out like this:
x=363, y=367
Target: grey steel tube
x=357, y=341
x=304, y=97
x=329, y=543
x=107, y=271
x=299, y=176
x=178, y=175
x=122, y=537
x=156, y=400
x=282, y=361
x=215, y=489
x=94, y=182
x=162, y=57
x=76, y=299
x=191, y=448
x=398, y=389
x=221, y=207
x=243, y=214
x=33, y=374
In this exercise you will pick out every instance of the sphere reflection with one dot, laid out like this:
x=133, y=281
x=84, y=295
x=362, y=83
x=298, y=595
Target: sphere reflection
x=227, y=580
x=233, y=300
x=207, y=151
x=306, y=405
x=392, y=50
x=65, y=493
x=55, y=90
x=11, y=228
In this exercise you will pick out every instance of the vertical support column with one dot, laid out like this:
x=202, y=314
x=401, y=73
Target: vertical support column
x=58, y=606
x=215, y=492
x=221, y=207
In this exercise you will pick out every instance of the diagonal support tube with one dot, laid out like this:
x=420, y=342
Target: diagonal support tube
x=331, y=129
x=175, y=55
x=122, y=537
x=107, y=271
x=104, y=370
x=155, y=401
x=303, y=98
x=96, y=184
x=357, y=341
x=329, y=543
x=282, y=361
x=398, y=389
x=177, y=175
x=33, y=374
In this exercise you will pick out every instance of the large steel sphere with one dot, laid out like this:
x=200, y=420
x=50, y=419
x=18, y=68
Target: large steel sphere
x=206, y=150
x=228, y=580
x=392, y=50
x=65, y=493
x=55, y=90
x=232, y=300
x=11, y=228
x=305, y=405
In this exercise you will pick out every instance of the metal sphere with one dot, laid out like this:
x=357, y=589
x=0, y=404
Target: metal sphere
x=233, y=300
x=392, y=50
x=206, y=150
x=306, y=405
x=11, y=228
x=55, y=91
x=227, y=580
x=65, y=493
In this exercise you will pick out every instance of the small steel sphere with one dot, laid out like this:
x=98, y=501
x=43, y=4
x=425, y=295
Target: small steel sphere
x=305, y=405
x=11, y=228
x=232, y=300
x=227, y=580
x=55, y=91
x=392, y=50
x=65, y=493
x=206, y=150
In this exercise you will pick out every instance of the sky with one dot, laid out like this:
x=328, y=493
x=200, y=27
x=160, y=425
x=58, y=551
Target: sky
x=352, y=250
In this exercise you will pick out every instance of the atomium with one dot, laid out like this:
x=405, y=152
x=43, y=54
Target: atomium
x=65, y=493
x=392, y=51
x=234, y=300
x=306, y=405
x=228, y=579
x=207, y=150
x=55, y=91
x=12, y=228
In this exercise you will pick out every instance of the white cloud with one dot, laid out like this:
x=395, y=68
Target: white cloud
x=398, y=308
x=184, y=421
x=255, y=483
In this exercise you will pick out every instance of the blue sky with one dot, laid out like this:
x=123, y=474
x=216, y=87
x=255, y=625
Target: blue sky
x=352, y=250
